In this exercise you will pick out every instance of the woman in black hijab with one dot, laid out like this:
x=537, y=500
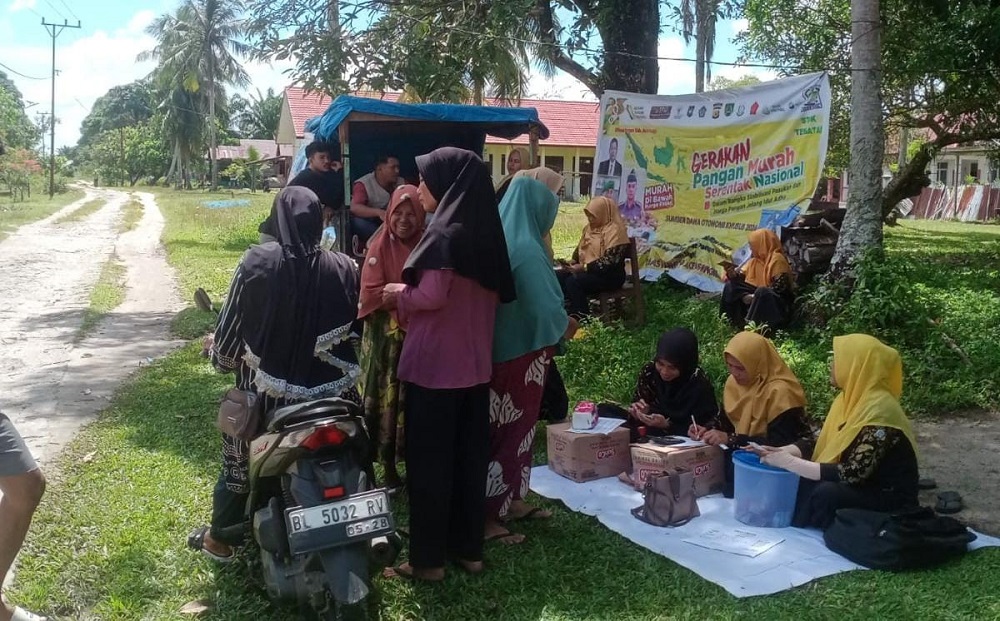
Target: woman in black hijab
x=672, y=388
x=284, y=331
x=454, y=280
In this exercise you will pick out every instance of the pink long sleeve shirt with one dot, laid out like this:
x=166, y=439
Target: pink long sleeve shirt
x=449, y=342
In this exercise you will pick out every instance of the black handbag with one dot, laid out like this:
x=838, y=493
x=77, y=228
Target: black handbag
x=910, y=539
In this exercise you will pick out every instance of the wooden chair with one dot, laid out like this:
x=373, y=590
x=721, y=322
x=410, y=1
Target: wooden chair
x=612, y=304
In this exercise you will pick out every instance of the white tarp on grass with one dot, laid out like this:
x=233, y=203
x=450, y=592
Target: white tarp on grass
x=800, y=558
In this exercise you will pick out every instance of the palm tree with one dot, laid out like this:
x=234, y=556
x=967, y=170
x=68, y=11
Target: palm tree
x=197, y=45
x=698, y=20
x=257, y=117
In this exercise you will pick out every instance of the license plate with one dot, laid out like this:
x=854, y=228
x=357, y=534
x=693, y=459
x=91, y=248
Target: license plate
x=368, y=526
x=371, y=505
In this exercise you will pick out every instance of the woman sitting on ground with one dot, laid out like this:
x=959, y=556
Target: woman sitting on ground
x=524, y=341
x=284, y=332
x=865, y=456
x=762, y=291
x=763, y=401
x=599, y=259
x=382, y=340
x=672, y=389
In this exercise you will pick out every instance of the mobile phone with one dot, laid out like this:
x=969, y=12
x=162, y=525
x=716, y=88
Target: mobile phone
x=665, y=440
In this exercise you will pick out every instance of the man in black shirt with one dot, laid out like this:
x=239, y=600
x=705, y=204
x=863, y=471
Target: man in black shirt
x=324, y=176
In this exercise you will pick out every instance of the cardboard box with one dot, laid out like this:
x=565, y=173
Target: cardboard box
x=587, y=456
x=707, y=463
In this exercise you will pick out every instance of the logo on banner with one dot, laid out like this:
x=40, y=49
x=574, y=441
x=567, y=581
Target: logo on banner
x=690, y=111
x=729, y=109
x=716, y=110
x=660, y=112
x=813, y=100
x=702, y=111
x=754, y=108
x=741, y=110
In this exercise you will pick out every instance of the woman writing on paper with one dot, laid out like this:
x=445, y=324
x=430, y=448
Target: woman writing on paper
x=763, y=401
x=865, y=456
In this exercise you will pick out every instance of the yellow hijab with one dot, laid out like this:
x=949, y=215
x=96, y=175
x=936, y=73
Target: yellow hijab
x=870, y=376
x=608, y=230
x=554, y=182
x=766, y=261
x=773, y=388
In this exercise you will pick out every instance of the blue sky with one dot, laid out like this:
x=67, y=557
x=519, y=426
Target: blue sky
x=102, y=54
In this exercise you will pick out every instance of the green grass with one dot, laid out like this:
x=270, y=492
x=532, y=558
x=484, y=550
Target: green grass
x=108, y=294
x=87, y=209
x=108, y=542
x=131, y=215
x=15, y=215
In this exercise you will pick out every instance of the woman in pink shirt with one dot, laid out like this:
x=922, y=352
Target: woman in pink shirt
x=455, y=278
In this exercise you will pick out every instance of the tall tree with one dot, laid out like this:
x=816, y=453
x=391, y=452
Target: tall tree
x=257, y=117
x=940, y=67
x=16, y=129
x=719, y=83
x=699, y=19
x=122, y=106
x=610, y=44
x=862, y=227
x=199, y=45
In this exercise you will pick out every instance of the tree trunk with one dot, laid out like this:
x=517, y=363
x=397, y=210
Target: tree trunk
x=699, y=64
x=212, y=138
x=626, y=27
x=863, y=223
x=910, y=179
x=173, y=161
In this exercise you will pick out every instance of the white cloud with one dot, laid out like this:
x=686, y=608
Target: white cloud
x=18, y=5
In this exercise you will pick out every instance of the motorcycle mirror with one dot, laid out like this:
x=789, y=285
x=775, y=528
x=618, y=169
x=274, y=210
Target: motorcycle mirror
x=203, y=302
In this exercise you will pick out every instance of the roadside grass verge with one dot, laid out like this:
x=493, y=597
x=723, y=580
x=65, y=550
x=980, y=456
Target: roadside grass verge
x=108, y=294
x=87, y=209
x=131, y=215
x=109, y=540
x=14, y=215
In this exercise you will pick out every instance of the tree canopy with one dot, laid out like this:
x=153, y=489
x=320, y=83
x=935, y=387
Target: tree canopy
x=16, y=129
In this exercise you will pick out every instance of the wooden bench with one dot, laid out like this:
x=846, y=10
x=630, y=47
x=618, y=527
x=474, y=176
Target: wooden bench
x=614, y=304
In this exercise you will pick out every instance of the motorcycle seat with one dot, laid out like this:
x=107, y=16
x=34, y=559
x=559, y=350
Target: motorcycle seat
x=310, y=410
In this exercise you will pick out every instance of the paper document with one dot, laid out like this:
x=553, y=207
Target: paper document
x=742, y=542
x=604, y=426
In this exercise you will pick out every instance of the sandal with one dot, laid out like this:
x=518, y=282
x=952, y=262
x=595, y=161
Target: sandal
x=948, y=502
x=926, y=484
x=534, y=513
x=507, y=538
x=405, y=571
x=196, y=541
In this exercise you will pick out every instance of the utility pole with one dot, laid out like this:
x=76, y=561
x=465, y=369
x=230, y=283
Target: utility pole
x=54, y=30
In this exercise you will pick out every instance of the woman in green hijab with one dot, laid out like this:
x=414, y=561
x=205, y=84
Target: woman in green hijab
x=524, y=339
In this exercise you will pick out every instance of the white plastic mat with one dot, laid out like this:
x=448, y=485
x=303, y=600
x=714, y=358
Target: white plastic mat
x=800, y=558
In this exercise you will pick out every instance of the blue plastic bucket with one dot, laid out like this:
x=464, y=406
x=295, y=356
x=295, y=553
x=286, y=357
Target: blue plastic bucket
x=765, y=496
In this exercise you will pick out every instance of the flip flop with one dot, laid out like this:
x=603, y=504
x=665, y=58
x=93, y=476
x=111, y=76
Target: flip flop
x=504, y=538
x=196, y=541
x=405, y=572
x=948, y=502
x=926, y=484
x=464, y=566
x=20, y=614
x=535, y=513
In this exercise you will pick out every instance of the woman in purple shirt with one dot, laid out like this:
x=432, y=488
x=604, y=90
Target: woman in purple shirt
x=455, y=278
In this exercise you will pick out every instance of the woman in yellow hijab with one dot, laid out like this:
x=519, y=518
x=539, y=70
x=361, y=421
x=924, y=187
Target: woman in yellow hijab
x=762, y=290
x=763, y=401
x=599, y=259
x=866, y=455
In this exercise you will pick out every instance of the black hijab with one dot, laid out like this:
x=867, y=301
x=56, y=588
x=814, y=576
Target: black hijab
x=299, y=305
x=466, y=234
x=691, y=394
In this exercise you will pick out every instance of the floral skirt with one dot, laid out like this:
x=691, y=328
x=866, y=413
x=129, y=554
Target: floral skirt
x=515, y=401
x=381, y=390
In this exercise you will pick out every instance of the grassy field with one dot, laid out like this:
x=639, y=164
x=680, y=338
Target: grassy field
x=108, y=293
x=109, y=540
x=14, y=215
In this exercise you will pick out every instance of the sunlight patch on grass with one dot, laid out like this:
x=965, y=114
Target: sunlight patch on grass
x=107, y=295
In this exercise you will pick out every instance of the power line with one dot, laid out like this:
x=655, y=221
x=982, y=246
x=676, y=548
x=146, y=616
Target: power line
x=63, y=2
x=18, y=73
x=56, y=9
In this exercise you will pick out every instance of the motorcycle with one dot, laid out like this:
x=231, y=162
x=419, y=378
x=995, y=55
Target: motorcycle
x=315, y=513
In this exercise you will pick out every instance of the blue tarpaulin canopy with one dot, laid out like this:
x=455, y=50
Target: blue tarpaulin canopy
x=373, y=128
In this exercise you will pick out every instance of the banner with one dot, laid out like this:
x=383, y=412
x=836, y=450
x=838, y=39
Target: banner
x=694, y=174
